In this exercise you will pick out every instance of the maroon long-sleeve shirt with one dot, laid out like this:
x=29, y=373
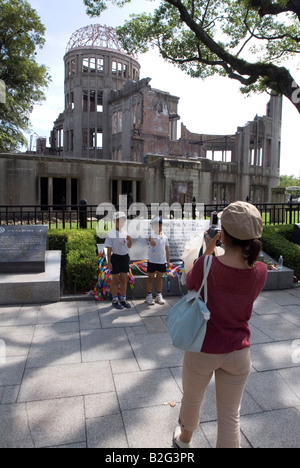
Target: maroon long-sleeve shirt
x=231, y=294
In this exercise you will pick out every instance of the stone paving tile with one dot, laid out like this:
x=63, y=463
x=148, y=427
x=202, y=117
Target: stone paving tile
x=155, y=351
x=272, y=356
x=28, y=315
x=102, y=345
x=148, y=388
x=102, y=404
x=81, y=374
x=292, y=378
x=124, y=366
x=106, y=432
x=55, y=350
x=273, y=429
x=155, y=325
x=58, y=312
x=156, y=426
x=89, y=318
x=11, y=372
x=210, y=430
x=292, y=314
x=17, y=339
x=14, y=429
x=276, y=327
x=264, y=306
x=56, y=422
x=66, y=381
x=9, y=315
x=282, y=298
x=111, y=318
x=145, y=310
x=281, y=396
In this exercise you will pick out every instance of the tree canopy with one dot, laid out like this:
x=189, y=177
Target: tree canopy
x=22, y=78
x=245, y=40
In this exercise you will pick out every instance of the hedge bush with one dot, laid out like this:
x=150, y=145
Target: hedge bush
x=277, y=240
x=79, y=257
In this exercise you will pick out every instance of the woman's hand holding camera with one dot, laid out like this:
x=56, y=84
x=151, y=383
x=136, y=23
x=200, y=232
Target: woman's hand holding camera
x=211, y=243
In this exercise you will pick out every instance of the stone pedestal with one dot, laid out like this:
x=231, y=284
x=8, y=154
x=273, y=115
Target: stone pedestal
x=35, y=288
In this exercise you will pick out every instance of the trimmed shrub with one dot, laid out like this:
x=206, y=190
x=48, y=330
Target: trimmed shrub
x=79, y=257
x=277, y=241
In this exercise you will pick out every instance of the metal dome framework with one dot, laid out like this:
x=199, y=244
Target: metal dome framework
x=95, y=35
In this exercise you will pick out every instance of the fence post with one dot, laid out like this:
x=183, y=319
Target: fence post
x=291, y=212
x=83, y=214
x=194, y=208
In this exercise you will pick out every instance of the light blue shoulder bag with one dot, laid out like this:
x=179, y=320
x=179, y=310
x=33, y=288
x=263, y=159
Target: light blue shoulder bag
x=187, y=320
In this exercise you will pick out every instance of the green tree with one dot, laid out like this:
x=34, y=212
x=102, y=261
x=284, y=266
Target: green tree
x=245, y=40
x=22, y=78
x=289, y=181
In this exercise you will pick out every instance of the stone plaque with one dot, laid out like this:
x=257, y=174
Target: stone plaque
x=23, y=249
x=182, y=232
x=179, y=233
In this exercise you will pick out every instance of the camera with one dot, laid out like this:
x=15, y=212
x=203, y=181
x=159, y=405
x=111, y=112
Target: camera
x=214, y=228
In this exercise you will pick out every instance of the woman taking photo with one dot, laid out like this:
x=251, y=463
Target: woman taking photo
x=234, y=283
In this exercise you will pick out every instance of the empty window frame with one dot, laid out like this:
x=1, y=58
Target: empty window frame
x=67, y=134
x=135, y=74
x=100, y=65
x=120, y=70
x=114, y=67
x=92, y=101
x=73, y=67
x=99, y=139
x=67, y=69
x=84, y=138
x=93, y=62
x=72, y=101
x=85, y=65
x=85, y=101
x=92, y=65
x=92, y=143
x=99, y=101
x=89, y=101
x=71, y=140
x=59, y=138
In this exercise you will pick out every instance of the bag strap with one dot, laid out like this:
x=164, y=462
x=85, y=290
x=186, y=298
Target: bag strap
x=206, y=269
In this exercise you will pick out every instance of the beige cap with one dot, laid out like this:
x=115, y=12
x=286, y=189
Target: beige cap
x=242, y=221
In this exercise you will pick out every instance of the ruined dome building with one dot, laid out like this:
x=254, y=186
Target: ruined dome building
x=118, y=135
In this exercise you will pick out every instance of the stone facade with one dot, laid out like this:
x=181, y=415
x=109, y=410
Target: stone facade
x=118, y=135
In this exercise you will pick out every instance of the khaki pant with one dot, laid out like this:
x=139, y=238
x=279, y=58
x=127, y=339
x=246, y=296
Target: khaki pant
x=231, y=374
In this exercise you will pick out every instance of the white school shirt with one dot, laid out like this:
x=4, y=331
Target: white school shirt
x=117, y=240
x=158, y=254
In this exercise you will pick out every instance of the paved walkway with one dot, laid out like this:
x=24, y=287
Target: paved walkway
x=79, y=374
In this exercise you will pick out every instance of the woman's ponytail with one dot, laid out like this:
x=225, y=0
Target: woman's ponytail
x=250, y=248
x=251, y=251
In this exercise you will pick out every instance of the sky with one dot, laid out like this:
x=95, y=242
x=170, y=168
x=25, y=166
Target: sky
x=214, y=106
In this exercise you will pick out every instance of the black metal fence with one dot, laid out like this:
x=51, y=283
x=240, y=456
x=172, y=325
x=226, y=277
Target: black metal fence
x=85, y=216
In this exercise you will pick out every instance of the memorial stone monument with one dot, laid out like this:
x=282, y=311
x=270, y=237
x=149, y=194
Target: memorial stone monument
x=28, y=273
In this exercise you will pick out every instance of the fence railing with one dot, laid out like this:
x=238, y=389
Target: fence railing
x=85, y=216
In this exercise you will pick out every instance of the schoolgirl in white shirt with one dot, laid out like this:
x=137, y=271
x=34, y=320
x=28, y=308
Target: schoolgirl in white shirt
x=158, y=260
x=118, y=243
